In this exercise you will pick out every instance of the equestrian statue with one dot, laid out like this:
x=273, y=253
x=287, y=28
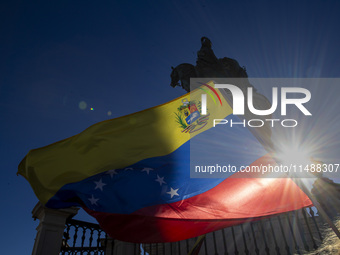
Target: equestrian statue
x=209, y=66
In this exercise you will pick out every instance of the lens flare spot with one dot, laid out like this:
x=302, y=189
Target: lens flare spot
x=82, y=105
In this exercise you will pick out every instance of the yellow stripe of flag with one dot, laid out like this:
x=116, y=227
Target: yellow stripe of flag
x=112, y=144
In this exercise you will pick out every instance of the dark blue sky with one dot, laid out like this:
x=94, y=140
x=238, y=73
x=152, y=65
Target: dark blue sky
x=116, y=56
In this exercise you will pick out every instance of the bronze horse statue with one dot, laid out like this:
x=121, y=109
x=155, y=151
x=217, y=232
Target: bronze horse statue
x=181, y=74
x=207, y=65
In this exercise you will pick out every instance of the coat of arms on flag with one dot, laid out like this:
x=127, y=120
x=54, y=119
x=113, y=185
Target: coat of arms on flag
x=189, y=117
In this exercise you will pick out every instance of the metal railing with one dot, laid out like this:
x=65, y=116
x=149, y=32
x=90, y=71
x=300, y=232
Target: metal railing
x=294, y=232
x=83, y=238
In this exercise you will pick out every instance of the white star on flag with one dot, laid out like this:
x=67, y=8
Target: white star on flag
x=173, y=192
x=147, y=169
x=93, y=200
x=100, y=185
x=128, y=168
x=112, y=172
x=160, y=180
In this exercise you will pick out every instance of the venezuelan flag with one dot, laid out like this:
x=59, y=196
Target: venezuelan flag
x=132, y=174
